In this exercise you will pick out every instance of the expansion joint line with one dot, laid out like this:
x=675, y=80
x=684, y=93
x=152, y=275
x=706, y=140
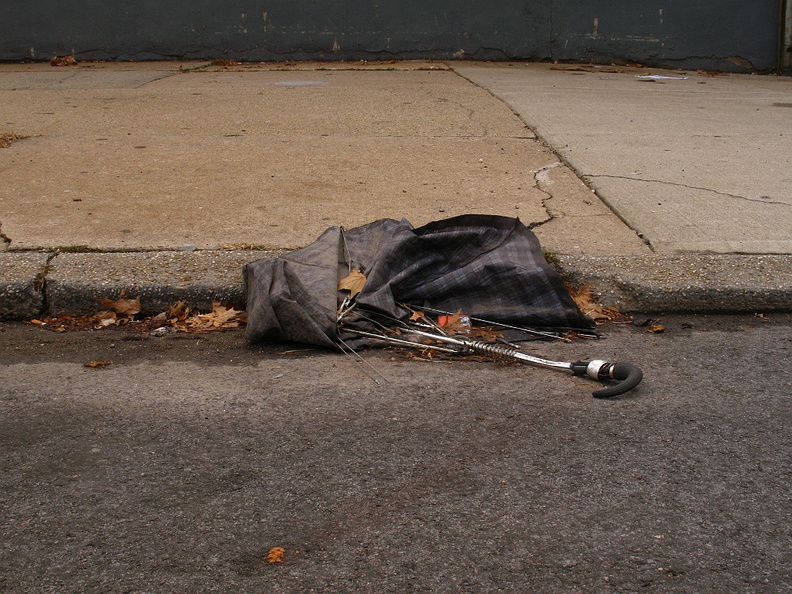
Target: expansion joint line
x=689, y=187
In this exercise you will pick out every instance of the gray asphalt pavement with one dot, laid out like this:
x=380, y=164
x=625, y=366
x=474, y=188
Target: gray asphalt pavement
x=183, y=463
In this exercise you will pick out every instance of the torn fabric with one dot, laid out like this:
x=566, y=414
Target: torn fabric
x=485, y=266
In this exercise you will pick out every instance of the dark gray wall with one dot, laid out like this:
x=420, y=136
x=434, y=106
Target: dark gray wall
x=715, y=34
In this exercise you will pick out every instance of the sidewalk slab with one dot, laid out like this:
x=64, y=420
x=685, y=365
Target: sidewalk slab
x=278, y=193
x=21, y=281
x=692, y=162
x=256, y=156
x=75, y=281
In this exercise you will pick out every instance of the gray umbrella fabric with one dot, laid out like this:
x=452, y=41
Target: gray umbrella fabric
x=485, y=266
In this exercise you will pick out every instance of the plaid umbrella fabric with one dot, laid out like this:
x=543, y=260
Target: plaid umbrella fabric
x=484, y=266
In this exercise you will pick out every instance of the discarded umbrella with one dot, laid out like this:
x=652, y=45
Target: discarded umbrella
x=355, y=282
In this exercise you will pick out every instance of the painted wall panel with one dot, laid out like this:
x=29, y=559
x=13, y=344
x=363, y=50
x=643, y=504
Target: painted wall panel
x=719, y=34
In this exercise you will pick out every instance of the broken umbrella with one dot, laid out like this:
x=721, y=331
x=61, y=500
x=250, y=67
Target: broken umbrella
x=360, y=287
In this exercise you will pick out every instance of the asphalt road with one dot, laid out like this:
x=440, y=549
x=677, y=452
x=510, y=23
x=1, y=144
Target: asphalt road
x=180, y=465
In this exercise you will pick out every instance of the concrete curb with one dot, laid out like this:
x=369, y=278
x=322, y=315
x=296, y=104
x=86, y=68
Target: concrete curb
x=38, y=284
x=689, y=283
x=42, y=284
x=21, y=285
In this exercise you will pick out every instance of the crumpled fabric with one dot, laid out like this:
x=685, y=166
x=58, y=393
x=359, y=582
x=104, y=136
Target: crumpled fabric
x=489, y=267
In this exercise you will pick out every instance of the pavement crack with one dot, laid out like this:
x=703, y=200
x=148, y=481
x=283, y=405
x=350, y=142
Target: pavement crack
x=41, y=277
x=470, y=113
x=543, y=184
x=5, y=240
x=689, y=187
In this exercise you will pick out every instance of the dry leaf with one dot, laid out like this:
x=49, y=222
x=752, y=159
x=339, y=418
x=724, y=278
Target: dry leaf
x=416, y=316
x=95, y=364
x=220, y=317
x=275, y=555
x=354, y=282
x=456, y=323
x=63, y=61
x=584, y=299
x=106, y=318
x=122, y=305
x=656, y=328
x=178, y=311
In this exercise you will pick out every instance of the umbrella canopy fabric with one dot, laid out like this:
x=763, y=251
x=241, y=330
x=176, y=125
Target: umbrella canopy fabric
x=485, y=266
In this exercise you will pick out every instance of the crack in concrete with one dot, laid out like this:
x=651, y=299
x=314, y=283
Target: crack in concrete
x=471, y=112
x=543, y=184
x=41, y=279
x=689, y=187
x=5, y=240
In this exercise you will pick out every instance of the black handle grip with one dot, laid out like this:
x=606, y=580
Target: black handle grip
x=627, y=376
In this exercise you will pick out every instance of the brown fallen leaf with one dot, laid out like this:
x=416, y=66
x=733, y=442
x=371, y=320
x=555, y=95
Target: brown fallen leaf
x=655, y=328
x=122, y=305
x=178, y=311
x=353, y=282
x=106, y=318
x=586, y=302
x=416, y=316
x=63, y=61
x=453, y=324
x=220, y=317
x=276, y=554
x=95, y=364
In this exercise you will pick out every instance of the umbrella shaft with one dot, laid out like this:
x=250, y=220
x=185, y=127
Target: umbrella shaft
x=495, y=349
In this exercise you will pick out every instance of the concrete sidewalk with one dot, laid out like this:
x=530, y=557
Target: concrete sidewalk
x=165, y=178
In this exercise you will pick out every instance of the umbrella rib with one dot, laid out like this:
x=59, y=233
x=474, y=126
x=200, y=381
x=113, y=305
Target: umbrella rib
x=351, y=352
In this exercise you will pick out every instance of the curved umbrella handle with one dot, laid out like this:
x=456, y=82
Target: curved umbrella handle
x=627, y=376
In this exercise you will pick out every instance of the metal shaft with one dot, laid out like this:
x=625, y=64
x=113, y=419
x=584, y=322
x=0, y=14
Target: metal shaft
x=623, y=376
x=495, y=349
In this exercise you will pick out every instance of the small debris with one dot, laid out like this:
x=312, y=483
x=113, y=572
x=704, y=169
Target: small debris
x=643, y=322
x=652, y=325
x=178, y=318
x=221, y=317
x=658, y=77
x=95, y=364
x=122, y=305
x=9, y=137
x=275, y=555
x=224, y=63
x=63, y=61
